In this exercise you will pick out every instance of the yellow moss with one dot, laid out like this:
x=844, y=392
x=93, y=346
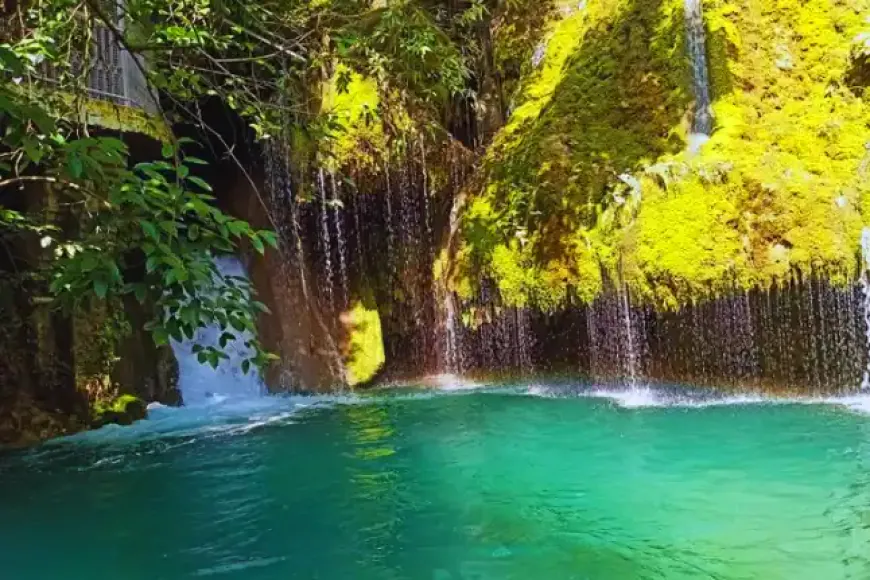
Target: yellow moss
x=364, y=347
x=354, y=108
x=511, y=275
x=684, y=241
x=563, y=39
x=117, y=117
x=592, y=172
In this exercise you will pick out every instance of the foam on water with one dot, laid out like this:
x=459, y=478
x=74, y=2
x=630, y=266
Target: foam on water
x=216, y=400
x=450, y=382
x=650, y=397
x=169, y=427
x=224, y=416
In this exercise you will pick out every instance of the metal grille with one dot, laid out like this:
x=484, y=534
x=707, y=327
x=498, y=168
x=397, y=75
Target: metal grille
x=106, y=76
x=112, y=73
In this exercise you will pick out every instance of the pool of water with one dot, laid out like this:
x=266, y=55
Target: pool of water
x=522, y=482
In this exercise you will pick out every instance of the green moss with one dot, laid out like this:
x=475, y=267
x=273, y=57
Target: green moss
x=683, y=243
x=364, y=347
x=98, y=329
x=123, y=410
x=590, y=180
x=352, y=102
x=122, y=118
x=609, y=97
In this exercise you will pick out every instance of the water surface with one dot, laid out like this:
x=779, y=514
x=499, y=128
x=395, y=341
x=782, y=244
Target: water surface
x=526, y=482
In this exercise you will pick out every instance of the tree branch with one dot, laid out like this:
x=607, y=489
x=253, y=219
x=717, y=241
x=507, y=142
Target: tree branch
x=229, y=151
x=21, y=179
x=275, y=45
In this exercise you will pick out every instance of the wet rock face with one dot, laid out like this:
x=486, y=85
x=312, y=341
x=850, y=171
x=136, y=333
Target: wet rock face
x=142, y=368
x=23, y=422
x=296, y=328
x=38, y=398
x=57, y=372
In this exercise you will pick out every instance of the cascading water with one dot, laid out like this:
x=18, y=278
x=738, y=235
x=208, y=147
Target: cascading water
x=388, y=201
x=630, y=341
x=865, y=284
x=201, y=384
x=325, y=240
x=702, y=122
x=452, y=355
x=342, y=243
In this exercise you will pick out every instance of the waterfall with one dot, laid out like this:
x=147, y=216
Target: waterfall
x=388, y=198
x=284, y=205
x=616, y=339
x=525, y=339
x=342, y=243
x=452, y=352
x=200, y=383
x=702, y=122
x=631, y=354
x=325, y=240
x=865, y=284
x=358, y=200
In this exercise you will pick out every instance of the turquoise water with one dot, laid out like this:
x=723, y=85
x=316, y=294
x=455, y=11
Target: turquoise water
x=511, y=483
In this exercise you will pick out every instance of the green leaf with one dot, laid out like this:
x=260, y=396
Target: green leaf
x=75, y=167
x=199, y=182
x=269, y=237
x=100, y=288
x=258, y=244
x=10, y=61
x=160, y=336
x=149, y=229
x=167, y=150
x=32, y=149
x=140, y=291
x=246, y=366
x=238, y=227
x=151, y=263
x=170, y=227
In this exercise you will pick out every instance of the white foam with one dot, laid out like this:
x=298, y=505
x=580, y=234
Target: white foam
x=220, y=416
x=630, y=398
x=697, y=141
x=859, y=403
x=648, y=397
x=451, y=382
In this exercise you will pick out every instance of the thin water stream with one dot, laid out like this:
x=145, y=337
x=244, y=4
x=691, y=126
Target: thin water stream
x=702, y=119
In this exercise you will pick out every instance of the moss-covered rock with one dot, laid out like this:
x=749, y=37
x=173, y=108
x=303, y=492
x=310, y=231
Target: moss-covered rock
x=364, y=346
x=123, y=410
x=591, y=178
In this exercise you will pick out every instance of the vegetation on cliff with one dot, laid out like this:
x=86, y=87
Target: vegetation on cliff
x=579, y=114
x=591, y=183
x=89, y=220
